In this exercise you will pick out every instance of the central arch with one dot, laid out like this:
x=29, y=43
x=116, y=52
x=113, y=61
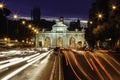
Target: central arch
x=59, y=42
x=72, y=42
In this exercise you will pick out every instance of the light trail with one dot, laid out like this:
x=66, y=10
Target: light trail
x=13, y=63
x=95, y=67
x=67, y=58
x=88, y=61
x=113, y=59
x=103, y=51
x=9, y=60
x=79, y=66
x=20, y=60
x=102, y=67
x=60, y=69
x=32, y=59
x=45, y=60
x=106, y=51
x=33, y=55
x=81, y=52
x=110, y=64
x=24, y=67
x=40, y=70
x=53, y=70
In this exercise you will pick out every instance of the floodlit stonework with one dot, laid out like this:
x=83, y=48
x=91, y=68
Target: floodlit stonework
x=59, y=36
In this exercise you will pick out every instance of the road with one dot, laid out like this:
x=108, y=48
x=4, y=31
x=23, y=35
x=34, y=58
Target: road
x=63, y=64
x=86, y=65
x=37, y=66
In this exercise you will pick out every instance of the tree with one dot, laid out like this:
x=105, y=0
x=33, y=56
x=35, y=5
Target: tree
x=105, y=17
x=4, y=12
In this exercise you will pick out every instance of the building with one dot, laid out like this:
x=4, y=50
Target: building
x=35, y=15
x=59, y=36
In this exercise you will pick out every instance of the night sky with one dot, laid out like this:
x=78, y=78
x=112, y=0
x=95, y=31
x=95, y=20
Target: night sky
x=51, y=8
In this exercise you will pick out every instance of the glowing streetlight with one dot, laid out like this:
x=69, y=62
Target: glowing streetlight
x=23, y=41
x=37, y=32
x=99, y=15
x=30, y=26
x=33, y=28
x=15, y=16
x=16, y=40
x=1, y=5
x=23, y=22
x=114, y=7
x=5, y=39
x=91, y=22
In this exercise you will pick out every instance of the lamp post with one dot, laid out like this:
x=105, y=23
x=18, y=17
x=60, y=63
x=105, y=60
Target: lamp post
x=36, y=37
x=100, y=16
x=1, y=5
x=91, y=22
x=15, y=17
x=1, y=8
x=114, y=7
x=23, y=22
x=29, y=26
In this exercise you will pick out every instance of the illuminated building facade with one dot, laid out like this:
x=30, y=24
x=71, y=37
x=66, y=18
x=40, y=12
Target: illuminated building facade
x=59, y=36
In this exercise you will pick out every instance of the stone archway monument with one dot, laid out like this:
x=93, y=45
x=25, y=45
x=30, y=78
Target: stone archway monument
x=59, y=36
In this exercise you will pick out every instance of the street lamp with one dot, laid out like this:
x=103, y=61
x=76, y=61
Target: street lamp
x=16, y=40
x=2, y=8
x=1, y=5
x=33, y=28
x=114, y=7
x=91, y=22
x=15, y=16
x=23, y=22
x=5, y=39
x=100, y=16
x=37, y=32
x=29, y=26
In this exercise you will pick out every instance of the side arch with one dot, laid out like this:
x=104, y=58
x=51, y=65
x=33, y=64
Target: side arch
x=59, y=42
x=47, y=42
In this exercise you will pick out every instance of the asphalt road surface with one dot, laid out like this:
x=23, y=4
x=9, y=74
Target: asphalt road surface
x=38, y=66
x=86, y=65
x=63, y=64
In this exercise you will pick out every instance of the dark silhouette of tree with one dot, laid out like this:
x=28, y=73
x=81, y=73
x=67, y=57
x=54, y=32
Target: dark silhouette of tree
x=4, y=12
x=107, y=26
x=47, y=25
x=75, y=25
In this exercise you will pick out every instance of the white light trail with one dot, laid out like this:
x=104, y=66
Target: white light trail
x=10, y=60
x=20, y=60
x=45, y=60
x=25, y=66
x=18, y=70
